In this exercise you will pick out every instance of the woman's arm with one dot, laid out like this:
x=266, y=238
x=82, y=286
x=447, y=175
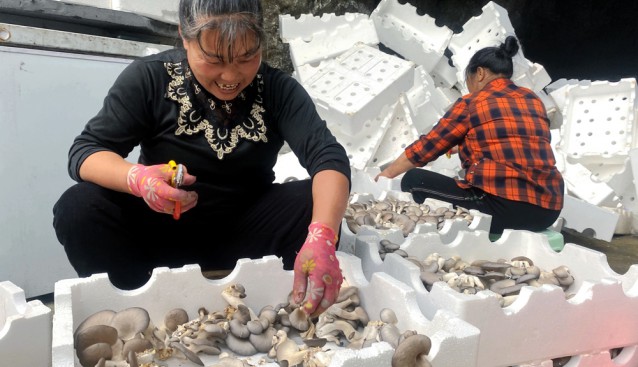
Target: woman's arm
x=400, y=165
x=107, y=169
x=330, y=193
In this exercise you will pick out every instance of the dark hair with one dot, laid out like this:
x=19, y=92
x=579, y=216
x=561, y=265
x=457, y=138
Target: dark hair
x=235, y=20
x=497, y=59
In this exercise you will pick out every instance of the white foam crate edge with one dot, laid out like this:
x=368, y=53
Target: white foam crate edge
x=25, y=329
x=604, y=303
x=185, y=287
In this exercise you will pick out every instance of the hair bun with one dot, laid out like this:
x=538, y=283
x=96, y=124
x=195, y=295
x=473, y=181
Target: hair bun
x=509, y=46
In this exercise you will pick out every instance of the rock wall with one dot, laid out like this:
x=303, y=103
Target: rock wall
x=586, y=39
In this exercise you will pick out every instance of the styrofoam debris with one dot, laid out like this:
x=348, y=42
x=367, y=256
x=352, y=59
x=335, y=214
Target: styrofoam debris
x=25, y=329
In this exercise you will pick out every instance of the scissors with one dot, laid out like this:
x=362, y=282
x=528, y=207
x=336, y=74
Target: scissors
x=176, y=181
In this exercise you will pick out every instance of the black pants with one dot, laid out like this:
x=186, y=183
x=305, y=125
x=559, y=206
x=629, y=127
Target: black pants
x=505, y=213
x=104, y=231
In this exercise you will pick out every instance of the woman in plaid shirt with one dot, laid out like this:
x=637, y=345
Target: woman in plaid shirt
x=501, y=132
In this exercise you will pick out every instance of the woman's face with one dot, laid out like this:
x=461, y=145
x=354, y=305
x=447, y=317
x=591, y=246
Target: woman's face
x=223, y=79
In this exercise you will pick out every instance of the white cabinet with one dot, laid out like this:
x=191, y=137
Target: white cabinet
x=46, y=97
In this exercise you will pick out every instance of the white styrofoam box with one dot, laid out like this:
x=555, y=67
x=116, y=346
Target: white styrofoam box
x=25, y=329
x=444, y=73
x=413, y=36
x=488, y=29
x=553, y=112
x=541, y=323
x=450, y=167
x=535, y=78
x=359, y=147
x=353, y=88
x=448, y=333
x=558, y=90
x=400, y=133
x=446, y=234
x=163, y=10
x=428, y=103
x=363, y=183
x=599, y=122
x=328, y=43
x=589, y=219
x=186, y=287
x=288, y=168
x=579, y=183
x=306, y=25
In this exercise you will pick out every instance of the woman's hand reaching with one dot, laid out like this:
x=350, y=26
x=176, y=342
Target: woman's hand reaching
x=152, y=183
x=317, y=273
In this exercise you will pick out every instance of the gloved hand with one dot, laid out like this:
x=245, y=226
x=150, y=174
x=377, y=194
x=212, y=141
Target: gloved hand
x=152, y=183
x=317, y=276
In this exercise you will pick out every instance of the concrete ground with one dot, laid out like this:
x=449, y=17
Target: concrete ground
x=621, y=251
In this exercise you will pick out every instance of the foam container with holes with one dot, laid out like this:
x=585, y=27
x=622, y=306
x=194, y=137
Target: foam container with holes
x=415, y=37
x=600, y=122
x=25, y=329
x=541, y=324
x=354, y=87
x=266, y=282
x=490, y=28
x=312, y=38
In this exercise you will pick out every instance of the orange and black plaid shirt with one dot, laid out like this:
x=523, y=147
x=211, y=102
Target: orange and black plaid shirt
x=502, y=133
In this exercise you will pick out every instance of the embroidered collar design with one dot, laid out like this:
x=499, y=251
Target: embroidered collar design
x=223, y=123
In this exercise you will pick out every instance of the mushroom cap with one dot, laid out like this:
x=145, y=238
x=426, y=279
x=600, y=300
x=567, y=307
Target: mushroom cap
x=411, y=351
x=136, y=345
x=102, y=317
x=130, y=322
x=174, y=318
x=91, y=355
x=94, y=334
x=299, y=319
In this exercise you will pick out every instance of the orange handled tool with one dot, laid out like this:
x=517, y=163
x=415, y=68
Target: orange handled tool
x=176, y=181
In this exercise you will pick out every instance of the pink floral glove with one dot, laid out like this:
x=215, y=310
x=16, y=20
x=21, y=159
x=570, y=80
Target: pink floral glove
x=317, y=274
x=152, y=183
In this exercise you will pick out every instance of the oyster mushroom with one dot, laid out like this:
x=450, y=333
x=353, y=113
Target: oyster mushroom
x=412, y=352
x=95, y=334
x=102, y=317
x=91, y=355
x=130, y=322
x=174, y=318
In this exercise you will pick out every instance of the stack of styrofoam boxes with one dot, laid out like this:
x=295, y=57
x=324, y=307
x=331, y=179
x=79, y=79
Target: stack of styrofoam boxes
x=76, y=299
x=366, y=190
x=597, y=143
x=25, y=329
x=541, y=324
x=489, y=29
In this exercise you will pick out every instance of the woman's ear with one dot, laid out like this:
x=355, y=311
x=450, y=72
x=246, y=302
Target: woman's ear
x=480, y=74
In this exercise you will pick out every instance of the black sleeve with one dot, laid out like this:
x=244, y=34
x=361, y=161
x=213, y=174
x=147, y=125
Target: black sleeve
x=122, y=121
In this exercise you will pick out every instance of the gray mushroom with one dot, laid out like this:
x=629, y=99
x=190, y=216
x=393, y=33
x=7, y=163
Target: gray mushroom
x=91, y=355
x=130, y=322
x=412, y=352
x=95, y=334
x=174, y=318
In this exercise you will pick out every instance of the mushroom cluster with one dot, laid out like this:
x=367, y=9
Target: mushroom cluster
x=129, y=338
x=402, y=214
x=503, y=277
x=112, y=336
